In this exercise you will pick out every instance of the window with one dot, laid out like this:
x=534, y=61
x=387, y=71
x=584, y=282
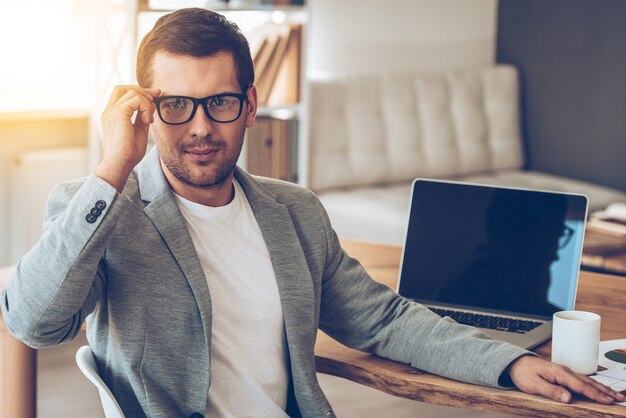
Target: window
x=49, y=51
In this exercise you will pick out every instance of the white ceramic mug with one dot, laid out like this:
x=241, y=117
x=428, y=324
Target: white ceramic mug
x=575, y=340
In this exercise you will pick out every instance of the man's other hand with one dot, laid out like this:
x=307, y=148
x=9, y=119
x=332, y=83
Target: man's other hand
x=541, y=377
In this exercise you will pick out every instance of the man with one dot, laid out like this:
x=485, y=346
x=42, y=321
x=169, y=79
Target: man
x=206, y=286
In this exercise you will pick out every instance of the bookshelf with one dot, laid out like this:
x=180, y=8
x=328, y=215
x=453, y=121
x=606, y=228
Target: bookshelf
x=275, y=32
x=272, y=145
x=275, y=48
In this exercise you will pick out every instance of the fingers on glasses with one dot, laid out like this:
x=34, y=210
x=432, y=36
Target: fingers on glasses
x=119, y=91
x=130, y=99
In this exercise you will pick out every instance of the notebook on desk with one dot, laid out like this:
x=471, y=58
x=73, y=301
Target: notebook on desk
x=502, y=259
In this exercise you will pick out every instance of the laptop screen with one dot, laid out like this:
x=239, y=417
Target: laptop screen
x=498, y=249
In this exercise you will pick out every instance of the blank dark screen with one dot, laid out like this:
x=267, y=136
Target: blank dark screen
x=505, y=250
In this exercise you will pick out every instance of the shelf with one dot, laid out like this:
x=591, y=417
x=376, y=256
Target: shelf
x=164, y=6
x=286, y=112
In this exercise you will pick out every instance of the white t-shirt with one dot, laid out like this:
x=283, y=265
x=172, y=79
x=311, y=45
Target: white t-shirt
x=249, y=371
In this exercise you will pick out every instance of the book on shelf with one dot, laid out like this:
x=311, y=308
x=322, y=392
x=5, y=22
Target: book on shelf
x=263, y=56
x=276, y=56
x=286, y=86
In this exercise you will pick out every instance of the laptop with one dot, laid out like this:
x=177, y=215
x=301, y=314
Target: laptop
x=502, y=259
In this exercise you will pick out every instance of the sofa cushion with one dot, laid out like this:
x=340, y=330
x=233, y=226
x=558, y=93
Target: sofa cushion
x=376, y=214
x=599, y=196
x=380, y=213
x=382, y=129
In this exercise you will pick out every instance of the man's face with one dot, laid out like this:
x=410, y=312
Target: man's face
x=201, y=152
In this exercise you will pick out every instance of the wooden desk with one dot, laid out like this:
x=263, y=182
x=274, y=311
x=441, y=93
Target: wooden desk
x=603, y=294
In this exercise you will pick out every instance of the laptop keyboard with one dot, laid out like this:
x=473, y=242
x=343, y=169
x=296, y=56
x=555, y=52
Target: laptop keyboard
x=499, y=323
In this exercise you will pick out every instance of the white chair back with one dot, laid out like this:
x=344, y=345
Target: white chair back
x=87, y=364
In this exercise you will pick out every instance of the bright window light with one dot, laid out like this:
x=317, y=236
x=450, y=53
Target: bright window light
x=49, y=54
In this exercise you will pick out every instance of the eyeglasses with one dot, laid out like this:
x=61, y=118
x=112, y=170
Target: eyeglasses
x=222, y=108
x=566, y=237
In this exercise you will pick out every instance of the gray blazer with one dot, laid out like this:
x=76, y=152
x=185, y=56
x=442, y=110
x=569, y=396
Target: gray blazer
x=128, y=260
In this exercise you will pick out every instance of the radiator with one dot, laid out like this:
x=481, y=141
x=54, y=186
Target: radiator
x=32, y=175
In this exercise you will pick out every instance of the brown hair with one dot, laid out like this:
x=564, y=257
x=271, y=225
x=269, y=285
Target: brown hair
x=199, y=33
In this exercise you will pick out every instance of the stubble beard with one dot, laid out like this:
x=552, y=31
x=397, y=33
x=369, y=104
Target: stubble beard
x=194, y=175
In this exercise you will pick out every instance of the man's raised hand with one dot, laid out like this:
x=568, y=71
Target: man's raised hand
x=124, y=140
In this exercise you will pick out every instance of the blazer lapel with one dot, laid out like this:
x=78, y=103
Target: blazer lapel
x=164, y=213
x=293, y=276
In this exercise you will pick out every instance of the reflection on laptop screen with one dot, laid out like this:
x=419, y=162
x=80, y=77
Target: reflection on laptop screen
x=499, y=249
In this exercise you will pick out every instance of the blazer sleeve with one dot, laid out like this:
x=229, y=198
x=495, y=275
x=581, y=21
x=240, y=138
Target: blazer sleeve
x=366, y=315
x=62, y=278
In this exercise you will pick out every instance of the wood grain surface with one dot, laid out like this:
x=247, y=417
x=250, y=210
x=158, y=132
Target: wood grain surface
x=603, y=294
x=604, y=251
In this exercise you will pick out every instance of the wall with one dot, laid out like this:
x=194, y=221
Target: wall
x=572, y=58
x=373, y=36
x=365, y=36
x=23, y=132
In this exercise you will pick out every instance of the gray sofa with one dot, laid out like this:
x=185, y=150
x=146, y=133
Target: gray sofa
x=371, y=135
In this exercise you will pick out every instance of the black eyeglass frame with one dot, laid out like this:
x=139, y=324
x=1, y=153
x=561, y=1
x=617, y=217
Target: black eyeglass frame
x=204, y=102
